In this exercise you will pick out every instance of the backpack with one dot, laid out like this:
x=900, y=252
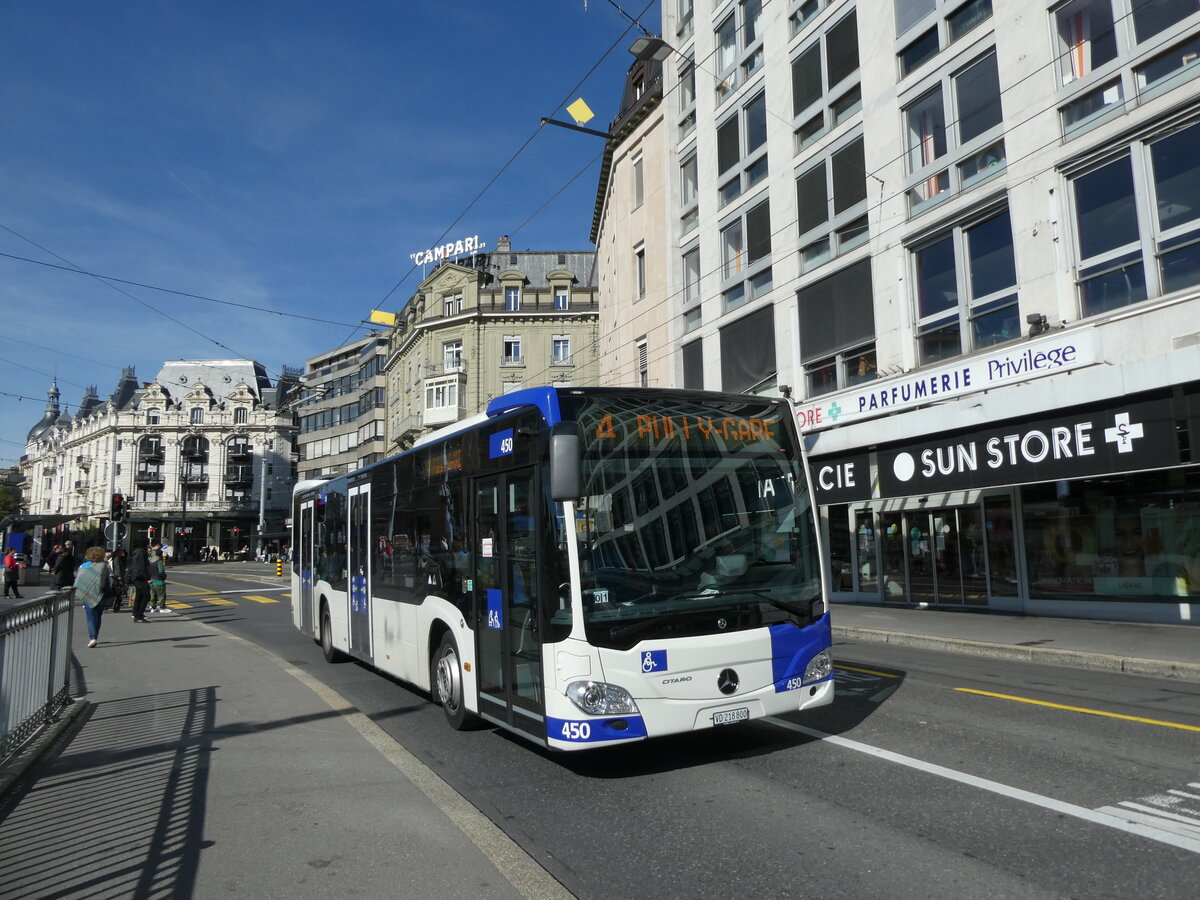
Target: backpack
x=89, y=585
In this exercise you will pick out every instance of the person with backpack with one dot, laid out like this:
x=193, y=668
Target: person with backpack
x=12, y=573
x=93, y=585
x=158, y=579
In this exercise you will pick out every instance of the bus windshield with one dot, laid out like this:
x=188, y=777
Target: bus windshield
x=695, y=519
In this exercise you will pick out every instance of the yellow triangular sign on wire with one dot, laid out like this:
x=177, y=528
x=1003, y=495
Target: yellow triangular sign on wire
x=580, y=112
x=383, y=318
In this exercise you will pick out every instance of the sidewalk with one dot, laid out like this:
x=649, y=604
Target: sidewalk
x=199, y=765
x=1162, y=651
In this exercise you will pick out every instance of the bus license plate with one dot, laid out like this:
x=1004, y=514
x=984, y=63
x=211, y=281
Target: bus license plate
x=730, y=716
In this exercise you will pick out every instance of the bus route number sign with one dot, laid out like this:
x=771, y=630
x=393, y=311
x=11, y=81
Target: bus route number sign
x=657, y=428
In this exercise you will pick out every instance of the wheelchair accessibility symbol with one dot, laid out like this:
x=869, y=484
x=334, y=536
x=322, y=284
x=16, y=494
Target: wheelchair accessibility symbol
x=654, y=661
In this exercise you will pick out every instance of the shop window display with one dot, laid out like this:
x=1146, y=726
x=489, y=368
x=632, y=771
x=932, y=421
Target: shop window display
x=1137, y=537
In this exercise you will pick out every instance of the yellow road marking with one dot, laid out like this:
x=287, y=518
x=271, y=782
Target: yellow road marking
x=1080, y=709
x=258, y=599
x=864, y=671
x=175, y=604
x=219, y=601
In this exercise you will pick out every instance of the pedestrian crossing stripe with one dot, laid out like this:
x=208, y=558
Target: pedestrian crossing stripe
x=258, y=599
x=175, y=604
x=219, y=601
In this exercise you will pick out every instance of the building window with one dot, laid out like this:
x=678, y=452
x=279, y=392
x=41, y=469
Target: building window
x=837, y=329
x=197, y=417
x=639, y=186
x=152, y=417
x=560, y=350
x=745, y=248
x=689, y=193
x=691, y=277
x=1155, y=187
x=918, y=45
x=954, y=134
x=452, y=352
x=966, y=289
x=452, y=304
x=640, y=262
x=803, y=12
x=442, y=395
x=643, y=364
x=741, y=166
x=512, y=299
x=832, y=201
x=825, y=81
x=1091, y=34
x=512, y=352
x=687, y=98
x=685, y=15
x=562, y=299
x=240, y=415
x=726, y=41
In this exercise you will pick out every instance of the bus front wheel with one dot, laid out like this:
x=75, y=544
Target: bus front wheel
x=447, y=682
x=331, y=653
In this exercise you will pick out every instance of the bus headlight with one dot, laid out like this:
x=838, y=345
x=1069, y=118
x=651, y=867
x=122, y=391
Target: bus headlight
x=596, y=698
x=819, y=667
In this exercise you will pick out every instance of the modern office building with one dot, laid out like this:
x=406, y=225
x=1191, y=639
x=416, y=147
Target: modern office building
x=965, y=236
x=340, y=409
x=631, y=228
x=202, y=456
x=486, y=324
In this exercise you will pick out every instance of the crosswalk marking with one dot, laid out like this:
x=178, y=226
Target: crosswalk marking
x=219, y=601
x=175, y=604
x=1171, y=811
x=257, y=599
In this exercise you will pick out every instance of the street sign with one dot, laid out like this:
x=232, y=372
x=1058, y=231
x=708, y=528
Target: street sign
x=114, y=531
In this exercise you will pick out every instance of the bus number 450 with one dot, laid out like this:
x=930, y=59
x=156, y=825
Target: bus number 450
x=576, y=731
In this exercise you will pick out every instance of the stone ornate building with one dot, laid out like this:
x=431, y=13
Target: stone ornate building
x=203, y=455
x=486, y=325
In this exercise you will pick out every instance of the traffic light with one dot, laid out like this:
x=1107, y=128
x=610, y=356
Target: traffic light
x=117, y=512
x=235, y=530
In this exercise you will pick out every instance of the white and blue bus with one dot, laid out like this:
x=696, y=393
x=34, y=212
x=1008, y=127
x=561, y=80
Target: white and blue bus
x=583, y=566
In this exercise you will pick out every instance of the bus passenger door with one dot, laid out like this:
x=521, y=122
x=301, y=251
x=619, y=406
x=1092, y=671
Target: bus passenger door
x=506, y=602
x=359, y=567
x=304, y=602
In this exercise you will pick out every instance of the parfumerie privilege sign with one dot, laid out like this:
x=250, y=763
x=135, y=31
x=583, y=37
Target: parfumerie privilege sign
x=1063, y=352
x=1128, y=437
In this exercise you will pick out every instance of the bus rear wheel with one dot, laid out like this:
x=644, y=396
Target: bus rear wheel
x=331, y=653
x=447, y=684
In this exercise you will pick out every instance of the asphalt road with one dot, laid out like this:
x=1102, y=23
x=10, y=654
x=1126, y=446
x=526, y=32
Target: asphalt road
x=919, y=782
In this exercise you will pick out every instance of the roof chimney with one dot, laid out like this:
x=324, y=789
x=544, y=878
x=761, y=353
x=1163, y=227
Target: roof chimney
x=503, y=245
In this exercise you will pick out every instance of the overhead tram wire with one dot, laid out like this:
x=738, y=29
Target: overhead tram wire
x=510, y=161
x=165, y=290
x=137, y=300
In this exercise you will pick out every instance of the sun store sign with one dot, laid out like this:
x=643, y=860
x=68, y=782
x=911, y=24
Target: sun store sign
x=1024, y=362
x=451, y=250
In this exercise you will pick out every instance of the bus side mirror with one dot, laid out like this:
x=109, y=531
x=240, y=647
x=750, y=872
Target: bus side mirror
x=565, y=478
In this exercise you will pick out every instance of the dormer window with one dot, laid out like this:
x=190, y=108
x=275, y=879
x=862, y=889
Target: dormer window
x=197, y=417
x=152, y=417
x=239, y=416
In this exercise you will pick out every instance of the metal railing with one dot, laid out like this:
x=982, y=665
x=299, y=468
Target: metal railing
x=35, y=665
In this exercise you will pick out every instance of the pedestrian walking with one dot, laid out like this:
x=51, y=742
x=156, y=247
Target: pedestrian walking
x=12, y=573
x=117, y=566
x=63, y=573
x=158, y=579
x=138, y=573
x=93, y=585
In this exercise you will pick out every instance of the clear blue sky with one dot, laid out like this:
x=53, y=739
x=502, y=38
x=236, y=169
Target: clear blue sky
x=279, y=155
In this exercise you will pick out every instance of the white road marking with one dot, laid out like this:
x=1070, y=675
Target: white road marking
x=1110, y=817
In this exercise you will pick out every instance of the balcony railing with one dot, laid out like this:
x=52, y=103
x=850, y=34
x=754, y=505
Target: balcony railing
x=561, y=361
x=194, y=478
x=239, y=474
x=512, y=361
x=153, y=450
x=148, y=476
x=84, y=462
x=240, y=449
